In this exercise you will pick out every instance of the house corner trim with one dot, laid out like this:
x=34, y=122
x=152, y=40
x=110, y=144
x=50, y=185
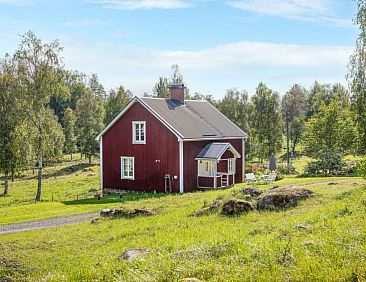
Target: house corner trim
x=243, y=160
x=101, y=161
x=181, y=170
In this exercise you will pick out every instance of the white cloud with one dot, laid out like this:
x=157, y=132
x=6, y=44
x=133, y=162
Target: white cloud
x=241, y=64
x=87, y=22
x=306, y=10
x=142, y=4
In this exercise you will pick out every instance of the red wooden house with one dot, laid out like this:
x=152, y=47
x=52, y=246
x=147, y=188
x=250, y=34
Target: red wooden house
x=170, y=145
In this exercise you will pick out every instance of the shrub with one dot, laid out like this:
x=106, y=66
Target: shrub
x=328, y=163
x=361, y=168
x=279, y=176
x=283, y=169
x=256, y=168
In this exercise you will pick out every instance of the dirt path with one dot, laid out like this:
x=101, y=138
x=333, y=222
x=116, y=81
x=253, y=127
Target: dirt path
x=46, y=223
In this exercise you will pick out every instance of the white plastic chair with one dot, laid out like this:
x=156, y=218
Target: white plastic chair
x=250, y=178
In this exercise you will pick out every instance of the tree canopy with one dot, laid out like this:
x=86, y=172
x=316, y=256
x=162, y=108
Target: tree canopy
x=357, y=74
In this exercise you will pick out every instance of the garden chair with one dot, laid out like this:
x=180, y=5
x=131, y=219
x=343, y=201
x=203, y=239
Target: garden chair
x=250, y=178
x=272, y=177
x=267, y=178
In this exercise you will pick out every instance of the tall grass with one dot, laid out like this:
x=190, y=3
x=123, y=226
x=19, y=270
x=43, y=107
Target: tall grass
x=257, y=246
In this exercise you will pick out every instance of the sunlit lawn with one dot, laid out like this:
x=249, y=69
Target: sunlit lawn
x=258, y=246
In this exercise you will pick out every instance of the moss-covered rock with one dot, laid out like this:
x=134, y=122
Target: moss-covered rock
x=252, y=191
x=282, y=198
x=237, y=207
x=209, y=208
x=121, y=212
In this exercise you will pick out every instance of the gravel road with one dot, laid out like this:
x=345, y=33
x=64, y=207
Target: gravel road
x=47, y=223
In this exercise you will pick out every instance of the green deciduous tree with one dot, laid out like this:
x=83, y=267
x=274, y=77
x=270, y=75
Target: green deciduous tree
x=69, y=131
x=294, y=108
x=357, y=74
x=265, y=122
x=361, y=169
x=40, y=71
x=89, y=121
x=330, y=130
x=317, y=96
x=116, y=101
x=10, y=119
x=340, y=94
x=96, y=88
x=162, y=87
x=330, y=134
x=326, y=93
x=207, y=97
x=54, y=137
x=235, y=106
x=76, y=83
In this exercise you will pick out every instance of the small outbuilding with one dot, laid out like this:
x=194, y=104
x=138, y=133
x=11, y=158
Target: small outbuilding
x=170, y=145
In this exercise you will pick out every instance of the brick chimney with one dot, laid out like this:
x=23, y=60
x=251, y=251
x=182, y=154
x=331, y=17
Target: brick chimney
x=177, y=92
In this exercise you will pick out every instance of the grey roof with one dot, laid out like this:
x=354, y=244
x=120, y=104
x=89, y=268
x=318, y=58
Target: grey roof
x=194, y=119
x=216, y=150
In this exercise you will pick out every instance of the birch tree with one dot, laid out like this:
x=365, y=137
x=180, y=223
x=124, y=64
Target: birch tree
x=266, y=122
x=89, y=121
x=10, y=118
x=357, y=74
x=40, y=70
x=294, y=108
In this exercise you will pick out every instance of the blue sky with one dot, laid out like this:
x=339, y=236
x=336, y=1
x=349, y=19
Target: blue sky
x=217, y=44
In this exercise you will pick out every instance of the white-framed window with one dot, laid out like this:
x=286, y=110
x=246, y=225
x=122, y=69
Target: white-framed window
x=128, y=168
x=231, y=165
x=205, y=168
x=139, y=132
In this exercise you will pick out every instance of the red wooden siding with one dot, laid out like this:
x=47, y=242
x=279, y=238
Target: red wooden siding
x=227, y=155
x=192, y=148
x=222, y=166
x=206, y=182
x=231, y=180
x=159, y=156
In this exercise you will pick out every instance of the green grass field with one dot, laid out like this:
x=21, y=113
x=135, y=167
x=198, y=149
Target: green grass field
x=257, y=246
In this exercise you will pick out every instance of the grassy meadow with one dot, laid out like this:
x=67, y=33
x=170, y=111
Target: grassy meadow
x=322, y=239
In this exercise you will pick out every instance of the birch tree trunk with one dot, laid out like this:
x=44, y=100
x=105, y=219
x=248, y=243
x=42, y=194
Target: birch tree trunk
x=40, y=165
x=6, y=184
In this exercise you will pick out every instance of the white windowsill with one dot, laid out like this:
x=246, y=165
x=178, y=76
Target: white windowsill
x=128, y=178
x=139, y=142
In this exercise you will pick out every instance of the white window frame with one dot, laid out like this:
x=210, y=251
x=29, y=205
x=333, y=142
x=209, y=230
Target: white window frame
x=231, y=165
x=136, y=139
x=206, y=168
x=123, y=160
